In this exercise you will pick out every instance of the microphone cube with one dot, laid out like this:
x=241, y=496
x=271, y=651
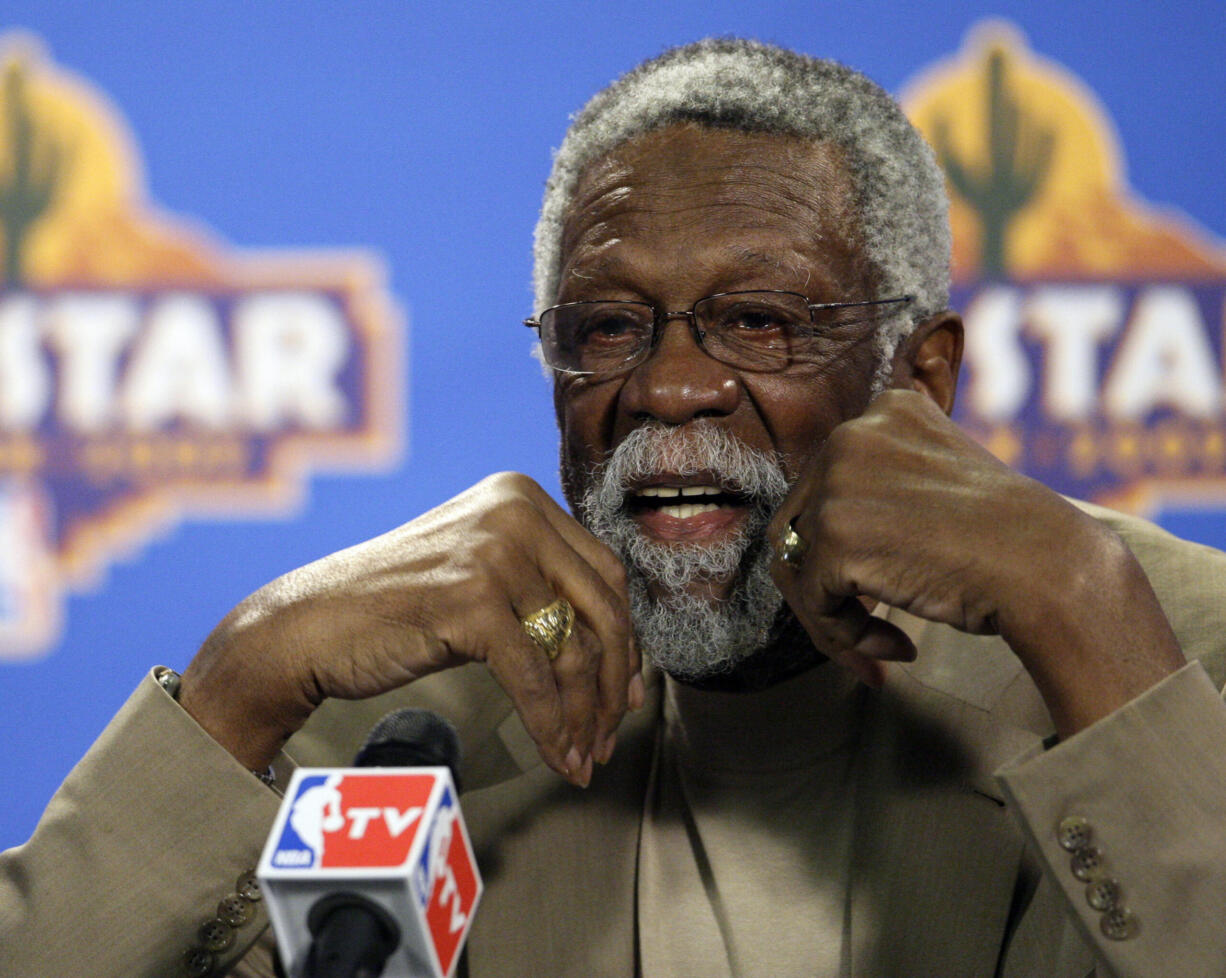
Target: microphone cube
x=392, y=835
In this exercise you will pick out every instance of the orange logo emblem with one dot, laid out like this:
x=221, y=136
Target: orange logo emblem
x=147, y=369
x=1094, y=319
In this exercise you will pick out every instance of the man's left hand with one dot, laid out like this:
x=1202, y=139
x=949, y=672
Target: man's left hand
x=900, y=506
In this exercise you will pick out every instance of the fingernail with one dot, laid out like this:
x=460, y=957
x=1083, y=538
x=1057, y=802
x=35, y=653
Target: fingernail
x=586, y=778
x=574, y=761
x=604, y=750
x=636, y=695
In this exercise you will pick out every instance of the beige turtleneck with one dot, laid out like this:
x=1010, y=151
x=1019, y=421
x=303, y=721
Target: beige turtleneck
x=746, y=841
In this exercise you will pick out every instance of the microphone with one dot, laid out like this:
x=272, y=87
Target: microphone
x=369, y=870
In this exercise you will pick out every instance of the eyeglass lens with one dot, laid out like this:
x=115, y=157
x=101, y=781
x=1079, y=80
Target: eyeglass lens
x=749, y=330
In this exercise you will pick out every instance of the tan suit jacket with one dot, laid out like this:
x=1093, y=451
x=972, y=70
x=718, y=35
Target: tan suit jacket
x=154, y=826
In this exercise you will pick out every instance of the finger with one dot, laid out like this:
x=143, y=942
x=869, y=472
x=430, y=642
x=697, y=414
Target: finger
x=574, y=664
x=826, y=603
x=604, y=611
x=526, y=675
x=621, y=669
x=848, y=628
x=575, y=670
x=602, y=559
x=593, y=673
x=840, y=626
x=871, y=672
x=881, y=642
x=597, y=553
x=795, y=504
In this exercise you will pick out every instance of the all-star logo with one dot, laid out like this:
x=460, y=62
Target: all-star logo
x=1094, y=319
x=146, y=370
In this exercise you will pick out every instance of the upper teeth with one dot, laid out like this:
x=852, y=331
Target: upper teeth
x=673, y=491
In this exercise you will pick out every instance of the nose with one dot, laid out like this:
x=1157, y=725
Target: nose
x=679, y=381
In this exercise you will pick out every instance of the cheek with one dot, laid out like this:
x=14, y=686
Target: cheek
x=585, y=412
x=584, y=426
x=799, y=413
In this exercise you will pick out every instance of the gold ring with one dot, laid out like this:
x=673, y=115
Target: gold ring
x=550, y=627
x=793, y=547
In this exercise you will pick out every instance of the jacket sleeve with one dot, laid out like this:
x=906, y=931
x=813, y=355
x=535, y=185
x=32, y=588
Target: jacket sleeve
x=1138, y=800
x=1128, y=819
x=140, y=863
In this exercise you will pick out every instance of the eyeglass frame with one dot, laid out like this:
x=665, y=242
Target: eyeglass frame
x=660, y=318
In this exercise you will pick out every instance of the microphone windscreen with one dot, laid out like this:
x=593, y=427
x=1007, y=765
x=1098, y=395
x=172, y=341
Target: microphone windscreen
x=412, y=738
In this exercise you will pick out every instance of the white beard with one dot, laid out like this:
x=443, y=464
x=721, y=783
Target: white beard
x=690, y=637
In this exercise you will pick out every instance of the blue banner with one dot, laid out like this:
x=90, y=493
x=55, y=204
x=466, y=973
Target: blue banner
x=332, y=207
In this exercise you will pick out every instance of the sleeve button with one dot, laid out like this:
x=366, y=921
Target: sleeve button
x=198, y=963
x=1104, y=894
x=1087, y=863
x=248, y=887
x=1073, y=833
x=234, y=910
x=1118, y=924
x=215, y=935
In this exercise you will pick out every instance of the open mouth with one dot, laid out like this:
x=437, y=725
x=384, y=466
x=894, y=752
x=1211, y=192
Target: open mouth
x=683, y=502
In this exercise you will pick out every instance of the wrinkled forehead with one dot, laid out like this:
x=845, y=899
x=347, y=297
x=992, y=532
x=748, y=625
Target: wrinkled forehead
x=696, y=175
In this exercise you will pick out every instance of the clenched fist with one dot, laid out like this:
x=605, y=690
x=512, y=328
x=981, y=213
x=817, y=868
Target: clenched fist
x=900, y=506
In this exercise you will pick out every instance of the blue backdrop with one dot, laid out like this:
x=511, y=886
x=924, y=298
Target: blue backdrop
x=422, y=131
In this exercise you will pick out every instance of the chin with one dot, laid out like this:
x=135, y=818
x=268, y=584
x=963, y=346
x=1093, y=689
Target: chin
x=788, y=653
x=695, y=638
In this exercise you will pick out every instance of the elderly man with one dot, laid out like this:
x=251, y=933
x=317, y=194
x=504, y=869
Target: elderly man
x=850, y=616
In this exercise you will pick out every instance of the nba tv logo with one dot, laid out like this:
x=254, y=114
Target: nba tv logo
x=339, y=821
x=394, y=833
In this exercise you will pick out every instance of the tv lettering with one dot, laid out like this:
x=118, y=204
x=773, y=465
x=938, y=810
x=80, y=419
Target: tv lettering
x=331, y=824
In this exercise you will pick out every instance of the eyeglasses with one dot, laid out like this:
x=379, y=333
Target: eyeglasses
x=766, y=330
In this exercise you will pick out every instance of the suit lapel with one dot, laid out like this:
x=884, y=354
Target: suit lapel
x=559, y=862
x=936, y=854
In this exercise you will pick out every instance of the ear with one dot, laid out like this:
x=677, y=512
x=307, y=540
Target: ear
x=928, y=360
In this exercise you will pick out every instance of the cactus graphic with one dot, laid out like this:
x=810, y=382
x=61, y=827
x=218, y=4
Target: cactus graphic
x=1018, y=158
x=30, y=177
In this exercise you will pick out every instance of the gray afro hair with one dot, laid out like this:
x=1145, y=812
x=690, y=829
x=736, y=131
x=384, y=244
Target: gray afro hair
x=746, y=85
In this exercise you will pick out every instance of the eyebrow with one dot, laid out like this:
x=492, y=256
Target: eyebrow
x=763, y=259
x=751, y=257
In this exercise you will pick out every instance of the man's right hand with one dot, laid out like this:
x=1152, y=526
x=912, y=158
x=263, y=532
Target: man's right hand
x=445, y=589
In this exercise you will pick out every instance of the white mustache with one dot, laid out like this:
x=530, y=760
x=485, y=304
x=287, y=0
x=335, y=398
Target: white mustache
x=702, y=448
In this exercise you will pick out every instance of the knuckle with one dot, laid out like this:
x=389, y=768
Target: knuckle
x=477, y=590
x=615, y=574
x=515, y=675
x=893, y=398
x=498, y=549
x=512, y=482
x=507, y=517
x=578, y=662
x=615, y=608
x=508, y=498
x=841, y=438
x=822, y=521
x=828, y=529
